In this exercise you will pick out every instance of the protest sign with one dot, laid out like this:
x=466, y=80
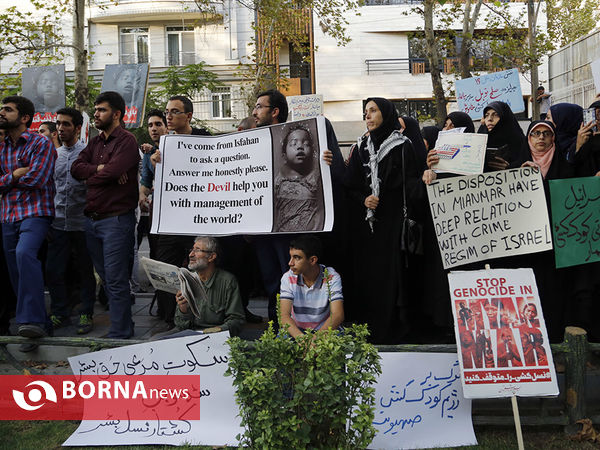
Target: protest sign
x=461, y=153
x=490, y=215
x=576, y=220
x=204, y=355
x=595, y=66
x=268, y=179
x=131, y=81
x=474, y=94
x=305, y=106
x=45, y=87
x=417, y=393
x=502, y=340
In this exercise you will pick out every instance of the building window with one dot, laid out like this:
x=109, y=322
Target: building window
x=180, y=46
x=134, y=45
x=221, y=103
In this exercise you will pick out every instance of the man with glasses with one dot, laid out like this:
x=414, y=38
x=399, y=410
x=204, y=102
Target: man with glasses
x=271, y=108
x=27, y=207
x=172, y=249
x=219, y=308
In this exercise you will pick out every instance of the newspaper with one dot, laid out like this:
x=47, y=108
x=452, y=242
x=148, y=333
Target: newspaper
x=170, y=278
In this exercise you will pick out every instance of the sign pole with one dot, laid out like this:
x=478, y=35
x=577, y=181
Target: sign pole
x=515, y=409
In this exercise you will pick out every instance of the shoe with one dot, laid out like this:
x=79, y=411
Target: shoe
x=167, y=327
x=252, y=318
x=28, y=347
x=60, y=321
x=86, y=324
x=31, y=330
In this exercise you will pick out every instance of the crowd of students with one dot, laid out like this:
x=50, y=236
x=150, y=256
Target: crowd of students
x=403, y=297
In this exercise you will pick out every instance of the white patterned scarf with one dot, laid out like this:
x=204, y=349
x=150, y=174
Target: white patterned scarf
x=393, y=140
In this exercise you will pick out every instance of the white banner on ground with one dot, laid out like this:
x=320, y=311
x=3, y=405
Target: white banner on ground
x=417, y=393
x=490, y=215
x=461, y=153
x=502, y=339
x=305, y=106
x=268, y=179
x=205, y=355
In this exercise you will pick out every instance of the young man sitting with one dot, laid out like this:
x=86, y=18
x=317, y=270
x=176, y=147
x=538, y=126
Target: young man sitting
x=308, y=298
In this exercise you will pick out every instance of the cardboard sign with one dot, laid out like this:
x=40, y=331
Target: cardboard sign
x=45, y=87
x=131, y=81
x=268, y=179
x=576, y=220
x=474, y=94
x=461, y=153
x=502, y=340
x=202, y=354
x=489, y=215
x=305, y=106
x=417, y=393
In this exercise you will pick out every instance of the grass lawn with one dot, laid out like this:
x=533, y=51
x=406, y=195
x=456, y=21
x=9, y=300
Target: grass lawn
x=47, y=435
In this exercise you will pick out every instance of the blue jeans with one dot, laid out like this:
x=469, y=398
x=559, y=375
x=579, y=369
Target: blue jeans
x=61, y=245
x=22, y=241
x=110, y=243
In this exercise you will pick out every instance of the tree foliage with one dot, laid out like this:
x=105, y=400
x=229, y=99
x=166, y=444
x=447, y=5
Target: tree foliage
x=568, y=20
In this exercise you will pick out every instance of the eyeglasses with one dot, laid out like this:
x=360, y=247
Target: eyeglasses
x=173, y=112
x=545, y=134
x=199, y=250
x=258, y=107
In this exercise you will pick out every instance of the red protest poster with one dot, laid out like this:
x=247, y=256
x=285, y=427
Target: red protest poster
x=501, y=336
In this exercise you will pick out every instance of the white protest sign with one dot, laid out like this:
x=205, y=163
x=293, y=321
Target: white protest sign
x=417, y=393
x=595, y=66
x=502, y=339
x=305, y=106
x=202, y=354
x=461, y=153
x=490, y=215
x=268, y=179
x=474, y=94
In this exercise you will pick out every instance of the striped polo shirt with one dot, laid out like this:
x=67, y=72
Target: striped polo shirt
x=310, y=307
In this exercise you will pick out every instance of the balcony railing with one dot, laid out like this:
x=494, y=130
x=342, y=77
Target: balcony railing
x=418, y=66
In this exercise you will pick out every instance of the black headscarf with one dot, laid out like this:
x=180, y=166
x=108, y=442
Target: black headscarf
x=389, y=124
x=413, y=132
x=460, y=119
x=567, y=117
x=430, y=134
x=506, y=132
x=596, y=104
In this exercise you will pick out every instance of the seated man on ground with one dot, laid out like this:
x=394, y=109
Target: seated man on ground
x=221, y=308
x=310, y=299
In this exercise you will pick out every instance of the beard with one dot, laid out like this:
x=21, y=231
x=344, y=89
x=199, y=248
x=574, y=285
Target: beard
x=103, y=125
x=199, y=264
x=8, y=125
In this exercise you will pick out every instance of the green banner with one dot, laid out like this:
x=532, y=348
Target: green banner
x=576, y=220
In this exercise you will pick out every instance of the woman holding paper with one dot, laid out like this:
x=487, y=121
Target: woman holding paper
x=382, y=165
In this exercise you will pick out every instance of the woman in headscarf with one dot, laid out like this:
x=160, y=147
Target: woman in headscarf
x=505, y=134
x=459, y=119
x=375, y=183
x=409, y=127
x=544, y=154
x=584, y=307
x=430, y=135
x=567, y=118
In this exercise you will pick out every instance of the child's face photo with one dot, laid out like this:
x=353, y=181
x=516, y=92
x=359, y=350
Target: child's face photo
x=298, y=151
x=47, y=84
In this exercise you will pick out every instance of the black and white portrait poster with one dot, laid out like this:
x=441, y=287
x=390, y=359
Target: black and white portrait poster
x=264, y=180
x=131, y=81
x=45, y=87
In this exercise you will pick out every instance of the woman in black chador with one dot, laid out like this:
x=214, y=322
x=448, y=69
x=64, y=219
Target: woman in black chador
x=375, y=187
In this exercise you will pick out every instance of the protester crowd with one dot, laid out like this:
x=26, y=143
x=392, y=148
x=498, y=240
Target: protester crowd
x=68, y=208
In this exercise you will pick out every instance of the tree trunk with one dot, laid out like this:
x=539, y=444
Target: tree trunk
x=80, y=56
x=434, y=62
x=465, y=45
x=531, y=18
